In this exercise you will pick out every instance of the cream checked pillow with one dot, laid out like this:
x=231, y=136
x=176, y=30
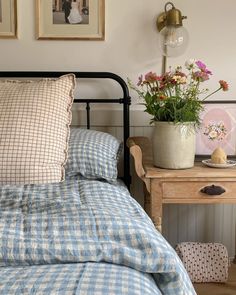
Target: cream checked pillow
x=34, y=129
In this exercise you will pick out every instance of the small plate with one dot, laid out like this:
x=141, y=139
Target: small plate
x=229, y=163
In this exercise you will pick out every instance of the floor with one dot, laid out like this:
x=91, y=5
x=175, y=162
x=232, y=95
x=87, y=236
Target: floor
x=228, y=288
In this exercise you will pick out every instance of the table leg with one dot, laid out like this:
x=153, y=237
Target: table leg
x=147, y=202
x=234, y=261
x=156, y=204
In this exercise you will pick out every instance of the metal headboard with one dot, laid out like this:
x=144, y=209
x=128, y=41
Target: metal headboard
x=125, y=100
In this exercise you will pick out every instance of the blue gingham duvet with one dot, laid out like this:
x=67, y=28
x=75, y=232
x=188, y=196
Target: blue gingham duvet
x=83, y=237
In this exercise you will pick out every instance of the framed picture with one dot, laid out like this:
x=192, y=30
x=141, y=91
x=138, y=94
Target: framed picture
x=70, y=19
x=218, y=129
x=8, y=19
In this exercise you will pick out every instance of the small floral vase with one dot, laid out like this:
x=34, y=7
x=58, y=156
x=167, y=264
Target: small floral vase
x=174, y=145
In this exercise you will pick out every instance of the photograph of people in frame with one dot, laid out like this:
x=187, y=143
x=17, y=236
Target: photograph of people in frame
x=70, y=11
x=70, y=19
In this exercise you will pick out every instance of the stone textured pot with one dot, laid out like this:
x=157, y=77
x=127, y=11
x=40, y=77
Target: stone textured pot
x=174, y=145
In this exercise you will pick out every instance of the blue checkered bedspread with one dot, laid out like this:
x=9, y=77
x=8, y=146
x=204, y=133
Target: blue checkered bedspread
x=83, y=237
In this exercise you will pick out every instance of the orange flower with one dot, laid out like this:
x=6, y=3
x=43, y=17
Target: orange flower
x=162, y=97
x=224, y=85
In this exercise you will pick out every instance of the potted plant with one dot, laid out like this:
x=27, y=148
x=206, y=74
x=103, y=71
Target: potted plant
x=174, y=100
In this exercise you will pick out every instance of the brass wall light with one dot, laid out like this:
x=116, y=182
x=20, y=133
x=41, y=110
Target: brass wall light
x=173, y=37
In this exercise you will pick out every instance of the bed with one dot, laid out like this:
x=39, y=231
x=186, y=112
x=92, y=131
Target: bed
x=85, y=235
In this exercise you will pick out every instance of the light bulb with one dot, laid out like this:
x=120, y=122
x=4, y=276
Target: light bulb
x=173, y=40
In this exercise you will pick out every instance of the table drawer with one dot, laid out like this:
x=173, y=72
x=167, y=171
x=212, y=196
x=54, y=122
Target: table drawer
x=192, y=190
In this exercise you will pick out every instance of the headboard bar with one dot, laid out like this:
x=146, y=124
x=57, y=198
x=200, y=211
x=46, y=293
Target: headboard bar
x=125, y=100
x=95, y=75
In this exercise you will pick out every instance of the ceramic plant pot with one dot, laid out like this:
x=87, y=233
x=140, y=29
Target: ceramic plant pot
x=174, y=145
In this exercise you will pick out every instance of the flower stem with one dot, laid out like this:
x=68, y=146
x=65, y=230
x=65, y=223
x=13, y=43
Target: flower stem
x=212, y=93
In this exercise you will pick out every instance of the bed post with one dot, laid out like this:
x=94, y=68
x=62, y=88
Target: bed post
x=126, y=131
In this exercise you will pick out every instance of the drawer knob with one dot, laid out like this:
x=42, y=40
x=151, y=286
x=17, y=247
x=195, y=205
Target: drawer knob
x=213, y=190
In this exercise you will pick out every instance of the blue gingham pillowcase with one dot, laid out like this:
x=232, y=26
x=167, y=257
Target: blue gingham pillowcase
x=93, y=154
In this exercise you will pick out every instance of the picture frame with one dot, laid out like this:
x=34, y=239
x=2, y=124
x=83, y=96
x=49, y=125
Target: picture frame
x=218, y=129
x=8, y=18
x=70, y=19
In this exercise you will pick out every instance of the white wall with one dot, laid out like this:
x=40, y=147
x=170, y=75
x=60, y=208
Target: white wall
x=131, y=48
x=131, y=41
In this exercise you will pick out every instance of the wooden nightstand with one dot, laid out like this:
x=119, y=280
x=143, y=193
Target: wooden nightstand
x=163, y=186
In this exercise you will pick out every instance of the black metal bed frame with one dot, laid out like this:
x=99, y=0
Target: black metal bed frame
x=125, y=100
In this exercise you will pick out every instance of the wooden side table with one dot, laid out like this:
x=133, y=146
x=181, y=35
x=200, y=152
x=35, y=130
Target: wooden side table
x=197, y=185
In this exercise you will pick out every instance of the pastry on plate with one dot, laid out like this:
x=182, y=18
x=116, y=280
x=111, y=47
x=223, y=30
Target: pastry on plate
x=218, y=156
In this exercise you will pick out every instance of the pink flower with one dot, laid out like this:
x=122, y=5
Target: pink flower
x=200, y=76
x=203, y=67
x=151, y=77
x=224, y=85
x=176, y=96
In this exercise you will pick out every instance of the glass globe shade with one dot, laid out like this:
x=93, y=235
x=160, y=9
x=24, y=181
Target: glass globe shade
x=173, y=41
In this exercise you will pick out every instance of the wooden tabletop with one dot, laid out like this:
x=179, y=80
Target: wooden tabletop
x=199, y=170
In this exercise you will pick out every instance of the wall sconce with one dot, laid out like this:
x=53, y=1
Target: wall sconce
x=173, y=37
